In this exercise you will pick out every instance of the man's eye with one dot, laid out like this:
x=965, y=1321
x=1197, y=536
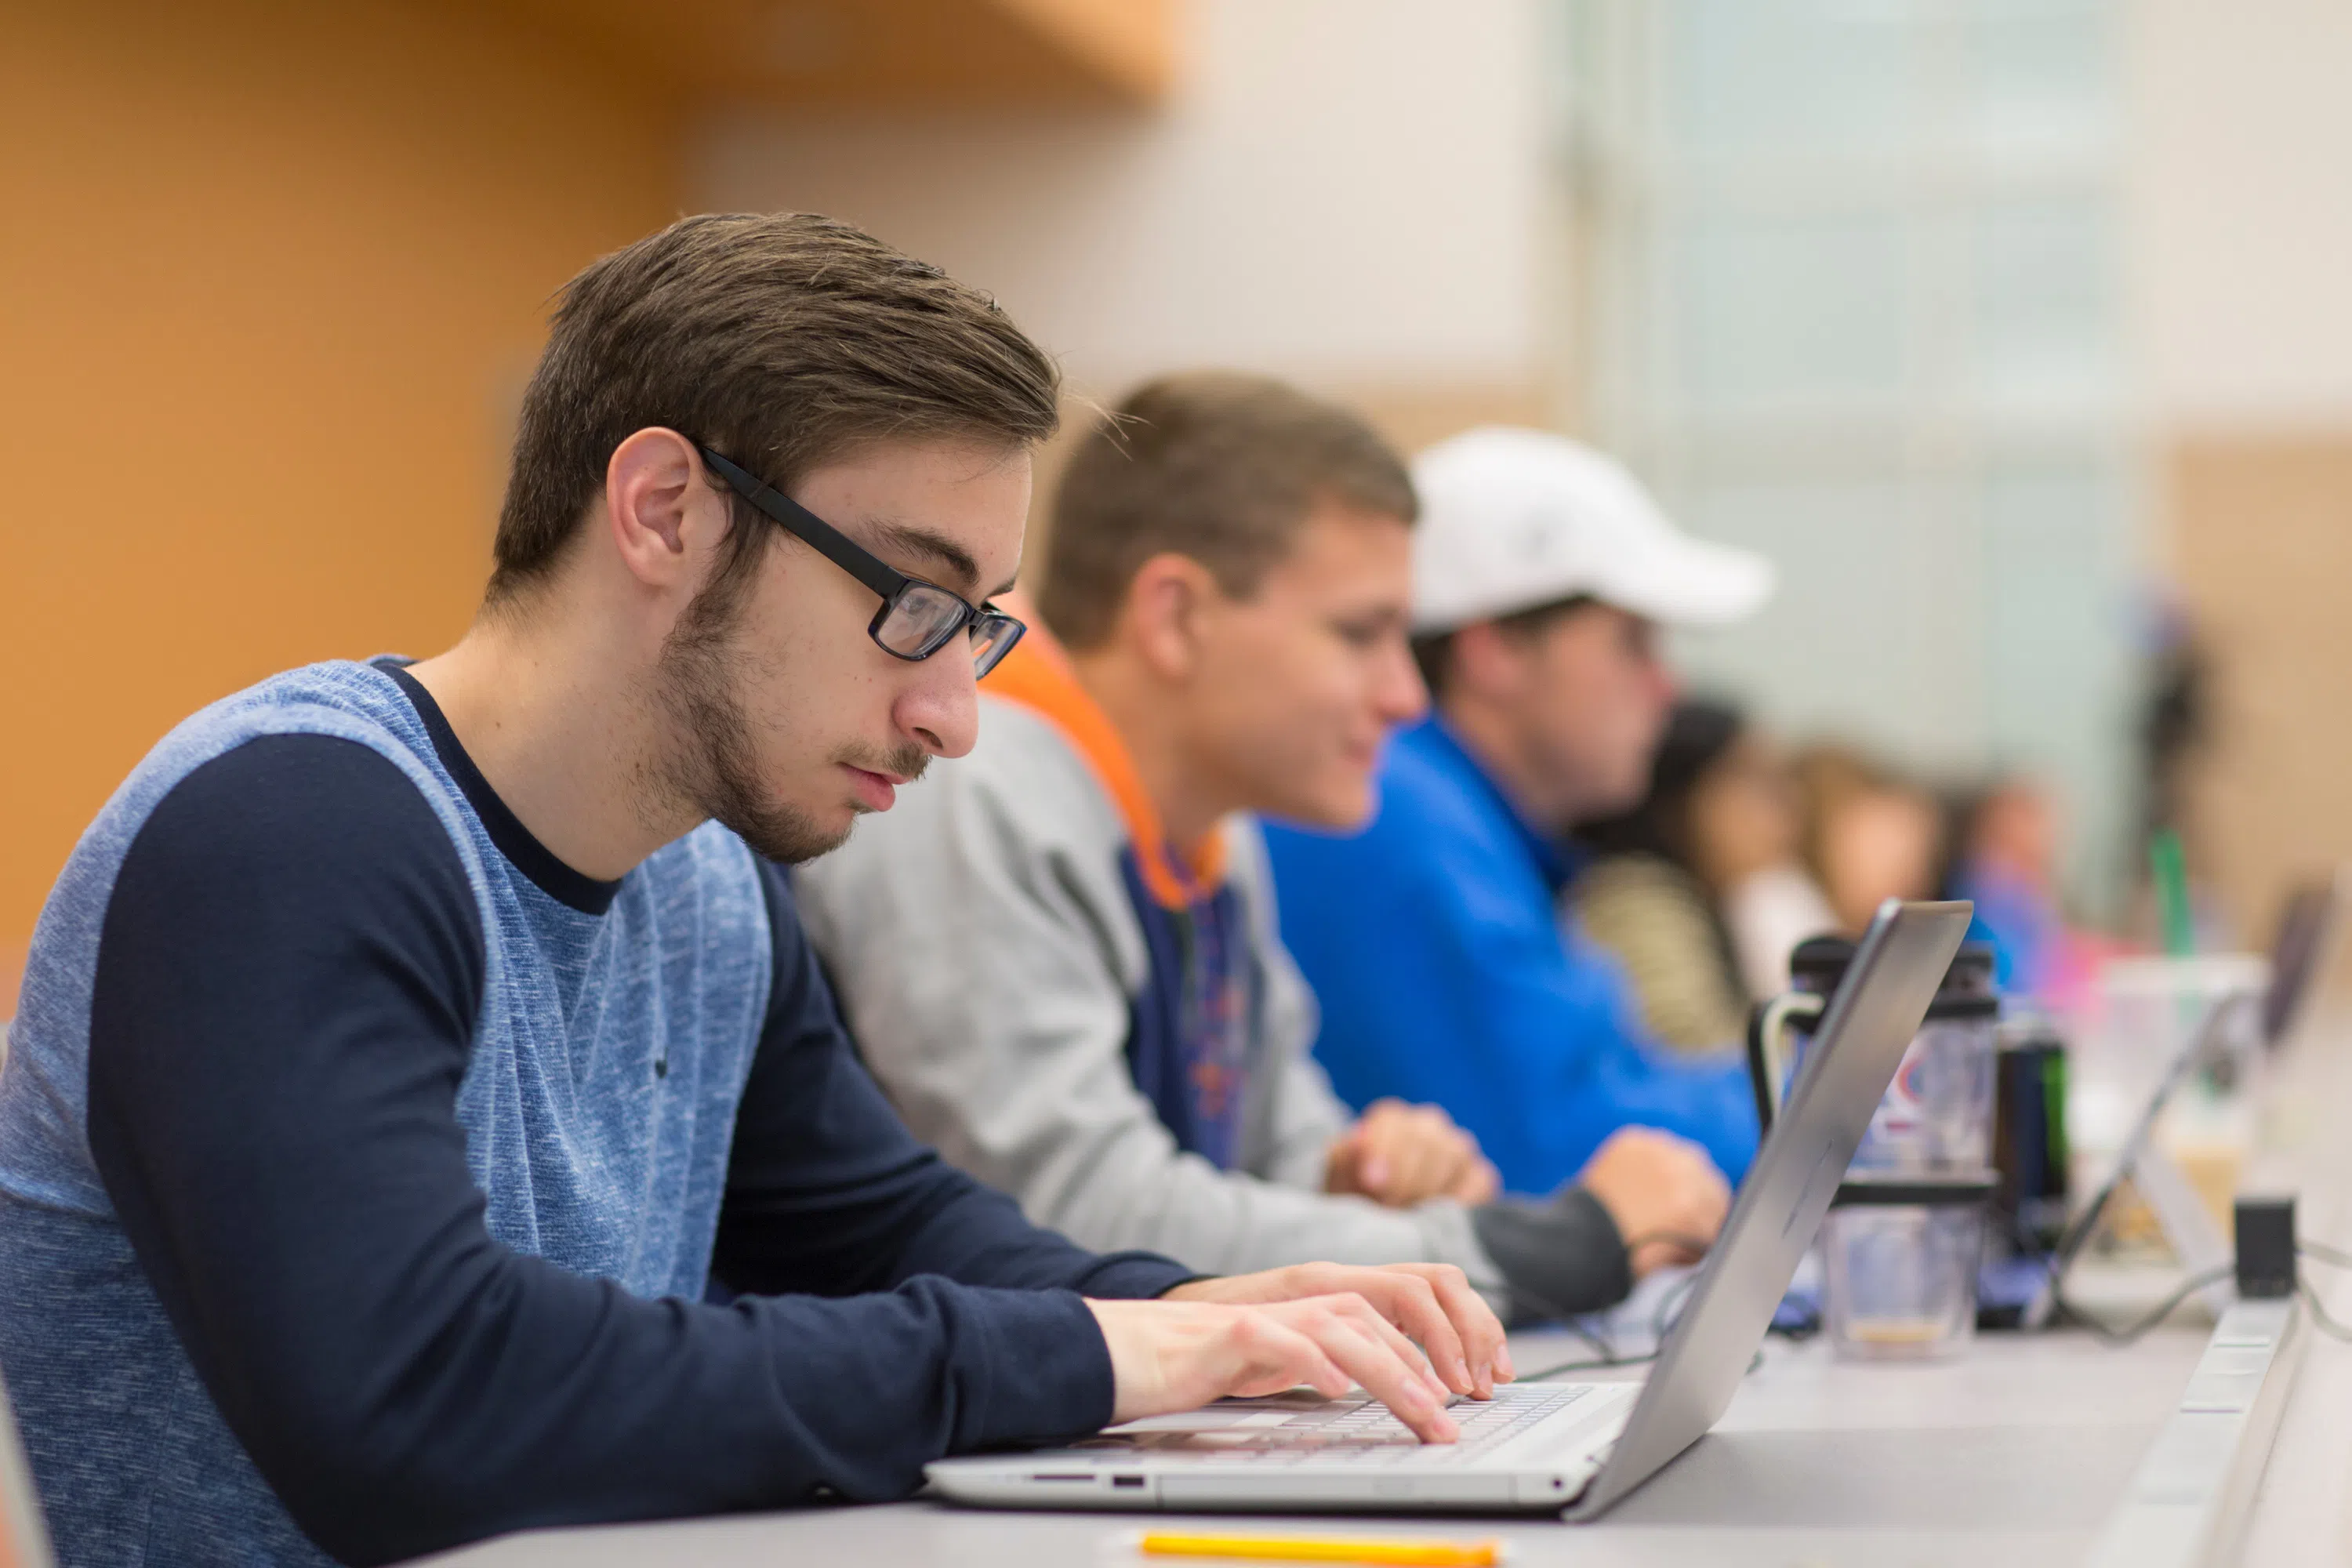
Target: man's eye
x=1365, y=634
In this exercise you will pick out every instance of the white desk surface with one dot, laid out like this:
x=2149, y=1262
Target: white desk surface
x=2011, y=1455
x=2014, y=1455
x=2302, y=1512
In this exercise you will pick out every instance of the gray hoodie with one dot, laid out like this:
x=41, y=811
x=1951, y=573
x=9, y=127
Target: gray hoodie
x=986, y=942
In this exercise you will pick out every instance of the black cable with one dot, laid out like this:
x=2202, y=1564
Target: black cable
x=2320, y=1319
x=1610, y=1357
x=2319, y=1254
x=1605, y=1352
x=1669, y=1303
x=2063, y=1311
x=2133, y=1332
x=1594, y=1364
x=1660, y=1321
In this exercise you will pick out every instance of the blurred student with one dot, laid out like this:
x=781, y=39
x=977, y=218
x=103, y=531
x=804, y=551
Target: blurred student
x=1869, y=834
x=1059, y=954
x=406, y=1046
x=2008, y=865
x=1541, y=571
x=1696, y=890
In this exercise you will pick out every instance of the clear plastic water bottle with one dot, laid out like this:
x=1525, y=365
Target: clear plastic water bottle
x=1903, y=1241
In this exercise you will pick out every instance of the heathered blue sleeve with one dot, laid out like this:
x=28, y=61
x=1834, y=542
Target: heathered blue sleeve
x=288, y=976
x=828, y=1192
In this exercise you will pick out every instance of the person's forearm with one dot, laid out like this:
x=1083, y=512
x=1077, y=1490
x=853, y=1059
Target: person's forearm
x=494, y=1392
x=623, y=1409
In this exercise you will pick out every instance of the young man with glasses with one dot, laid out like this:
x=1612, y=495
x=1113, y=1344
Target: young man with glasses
x=1059, y=954
x=407, y=1050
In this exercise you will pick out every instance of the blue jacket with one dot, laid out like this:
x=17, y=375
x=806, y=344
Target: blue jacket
x=1445, y=975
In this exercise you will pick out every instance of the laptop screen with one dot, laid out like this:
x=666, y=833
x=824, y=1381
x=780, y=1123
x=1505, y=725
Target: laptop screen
x=24, y=1543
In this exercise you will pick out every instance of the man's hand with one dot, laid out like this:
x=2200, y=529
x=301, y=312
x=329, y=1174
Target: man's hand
x=1664, y=1194
x=1410, y=1333
x=1401, y=1154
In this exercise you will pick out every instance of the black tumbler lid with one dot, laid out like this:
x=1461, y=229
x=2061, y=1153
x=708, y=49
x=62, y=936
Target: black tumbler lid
x=1819, y=962
x=1955, y=1190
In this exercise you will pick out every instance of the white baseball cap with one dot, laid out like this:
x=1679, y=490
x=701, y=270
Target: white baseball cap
x=1514, y=518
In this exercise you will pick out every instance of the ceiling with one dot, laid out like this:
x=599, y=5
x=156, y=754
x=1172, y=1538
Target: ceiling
x=882, y=53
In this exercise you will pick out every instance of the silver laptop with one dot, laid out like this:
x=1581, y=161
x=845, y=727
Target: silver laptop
x=1574, y=1449
x=2310, y=921
x=23, y=1543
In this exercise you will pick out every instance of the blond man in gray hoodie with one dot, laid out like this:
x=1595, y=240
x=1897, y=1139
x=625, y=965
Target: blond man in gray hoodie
x=1059, y=954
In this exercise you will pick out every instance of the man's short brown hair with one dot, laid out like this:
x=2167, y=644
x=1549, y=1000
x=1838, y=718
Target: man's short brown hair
x=783, y=341
x=1221, y=467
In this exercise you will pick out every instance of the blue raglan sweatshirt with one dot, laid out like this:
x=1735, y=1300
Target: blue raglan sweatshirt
x=1446, y=975
x=364, y=1170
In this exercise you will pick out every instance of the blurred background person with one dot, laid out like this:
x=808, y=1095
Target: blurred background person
x=2010, y=839
x=2006, y=837
x=2177, y=765
x=1698, y=891
x=1868, y=833
x=1542, y=571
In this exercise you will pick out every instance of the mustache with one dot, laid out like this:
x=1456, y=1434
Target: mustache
x=906, y=762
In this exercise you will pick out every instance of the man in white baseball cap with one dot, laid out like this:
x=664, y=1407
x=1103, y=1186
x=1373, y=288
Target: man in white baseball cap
x=1542, y=573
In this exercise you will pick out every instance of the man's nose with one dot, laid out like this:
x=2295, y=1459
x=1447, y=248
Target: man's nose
x=1401, y=695
x=939, y=710
x=1664, y=686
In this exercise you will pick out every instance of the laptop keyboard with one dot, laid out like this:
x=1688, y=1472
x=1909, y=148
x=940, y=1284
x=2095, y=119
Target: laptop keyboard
x=1358, y=1431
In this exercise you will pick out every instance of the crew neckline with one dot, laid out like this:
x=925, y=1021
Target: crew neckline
x=565, y=884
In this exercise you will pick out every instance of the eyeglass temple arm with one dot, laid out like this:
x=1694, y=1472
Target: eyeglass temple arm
x=829, y=541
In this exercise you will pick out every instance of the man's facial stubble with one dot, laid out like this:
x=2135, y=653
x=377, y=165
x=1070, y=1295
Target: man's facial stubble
x=711, y=769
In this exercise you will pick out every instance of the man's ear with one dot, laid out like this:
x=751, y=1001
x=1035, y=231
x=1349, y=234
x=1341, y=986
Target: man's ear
x=1485, y=659
x=1167, y=600
x=666, y=522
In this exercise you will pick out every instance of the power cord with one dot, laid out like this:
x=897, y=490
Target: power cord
x=2123, y=1335
x=2320, y=1319
x=2131, y=1333
x=2320, y=1316
x=2319, y=1254
x=1661, y=1320
x=2119, y=1336
x=1605, y=1352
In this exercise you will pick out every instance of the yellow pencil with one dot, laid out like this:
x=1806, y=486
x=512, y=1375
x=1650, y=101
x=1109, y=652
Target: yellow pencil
x=1299, y=1549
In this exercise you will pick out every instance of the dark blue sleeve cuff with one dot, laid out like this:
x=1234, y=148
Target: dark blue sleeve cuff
x=1049, y=1374
x=1132, y=1277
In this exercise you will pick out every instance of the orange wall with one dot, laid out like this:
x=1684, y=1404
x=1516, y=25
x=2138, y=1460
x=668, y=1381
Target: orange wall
x=2263, y=550
x=271, y=275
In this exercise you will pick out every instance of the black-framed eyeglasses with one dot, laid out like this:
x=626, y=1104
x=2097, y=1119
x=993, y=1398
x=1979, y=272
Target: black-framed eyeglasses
x=916, y=619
